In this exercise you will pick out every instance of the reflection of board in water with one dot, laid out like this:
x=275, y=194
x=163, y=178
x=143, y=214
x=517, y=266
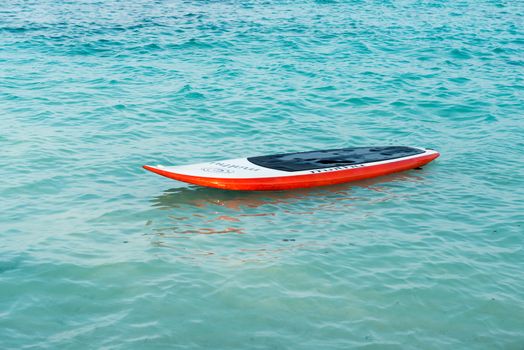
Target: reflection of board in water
x=300, y=170
x=270, y=225
x=204, y=197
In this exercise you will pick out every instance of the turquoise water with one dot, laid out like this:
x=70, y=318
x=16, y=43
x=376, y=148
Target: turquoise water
x=96, y=253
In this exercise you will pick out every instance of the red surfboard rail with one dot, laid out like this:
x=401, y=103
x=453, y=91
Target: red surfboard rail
x=303, y=180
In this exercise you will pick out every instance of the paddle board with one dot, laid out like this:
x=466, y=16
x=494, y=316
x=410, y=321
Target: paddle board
x=299, y=170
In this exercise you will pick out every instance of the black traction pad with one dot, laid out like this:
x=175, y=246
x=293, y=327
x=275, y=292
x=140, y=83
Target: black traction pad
x=332, y=158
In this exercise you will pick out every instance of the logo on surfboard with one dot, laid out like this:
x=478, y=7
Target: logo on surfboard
x=218, y=170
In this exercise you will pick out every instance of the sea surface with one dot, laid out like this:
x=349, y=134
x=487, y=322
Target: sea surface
x=96, y=253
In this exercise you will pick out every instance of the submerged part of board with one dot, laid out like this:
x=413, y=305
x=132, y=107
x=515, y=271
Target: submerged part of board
x=299, y=170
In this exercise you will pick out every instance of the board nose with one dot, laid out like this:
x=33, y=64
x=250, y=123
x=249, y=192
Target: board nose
x=151, y=168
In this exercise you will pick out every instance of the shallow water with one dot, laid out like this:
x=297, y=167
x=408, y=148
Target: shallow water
x=97, y=253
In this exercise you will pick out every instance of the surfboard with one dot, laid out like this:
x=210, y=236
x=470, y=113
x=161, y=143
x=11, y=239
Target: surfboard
x=299, y=170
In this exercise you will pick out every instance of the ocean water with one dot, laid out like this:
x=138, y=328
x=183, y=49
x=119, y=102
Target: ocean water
x=96, y=253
